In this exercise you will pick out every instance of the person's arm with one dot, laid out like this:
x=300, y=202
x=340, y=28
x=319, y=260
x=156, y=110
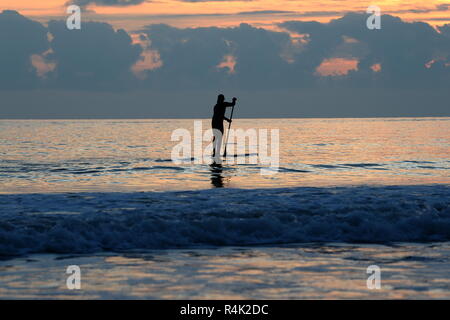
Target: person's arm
x=231, y=104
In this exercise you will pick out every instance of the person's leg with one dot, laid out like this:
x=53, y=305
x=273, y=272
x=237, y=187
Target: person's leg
x=217, y=144
x=214, y=126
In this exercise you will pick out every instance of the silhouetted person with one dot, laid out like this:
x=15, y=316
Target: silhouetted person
x=217, y=122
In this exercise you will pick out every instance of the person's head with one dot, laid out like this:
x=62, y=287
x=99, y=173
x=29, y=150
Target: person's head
x=220, y=98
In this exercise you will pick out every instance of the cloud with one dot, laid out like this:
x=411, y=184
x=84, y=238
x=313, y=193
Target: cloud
x=443, y=7
x=397, y=56
x=401, y=49
x=437, y=8
x=331, y=68
x=214, y=0
x=191, y=56
x=124, y=3
x=264, y=12
x=117, y=3
x=20, y=39
x=445, y=30
x=290, y=13
x=95, y=57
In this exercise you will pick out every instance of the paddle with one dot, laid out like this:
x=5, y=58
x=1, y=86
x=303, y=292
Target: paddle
x=228, y=132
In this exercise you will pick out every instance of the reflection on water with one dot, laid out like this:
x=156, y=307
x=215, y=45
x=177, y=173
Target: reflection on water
x=217, y=179
x=408, y=271
x=135, y=155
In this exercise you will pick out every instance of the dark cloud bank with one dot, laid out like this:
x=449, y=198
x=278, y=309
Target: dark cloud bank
x=19, y=39
x=274, y=73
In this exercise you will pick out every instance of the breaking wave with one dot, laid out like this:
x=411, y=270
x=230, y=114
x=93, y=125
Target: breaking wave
x=93, y=222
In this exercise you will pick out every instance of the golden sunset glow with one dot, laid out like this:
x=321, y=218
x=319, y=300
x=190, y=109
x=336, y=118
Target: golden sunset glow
x=224, y=13
x=337, y=67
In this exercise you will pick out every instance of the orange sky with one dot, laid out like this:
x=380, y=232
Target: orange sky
x=163, y=11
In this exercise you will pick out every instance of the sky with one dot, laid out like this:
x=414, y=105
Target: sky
x=132, y=14
x=170, y=58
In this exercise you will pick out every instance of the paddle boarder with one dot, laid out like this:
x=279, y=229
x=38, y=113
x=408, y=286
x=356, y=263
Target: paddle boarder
x=217, y=122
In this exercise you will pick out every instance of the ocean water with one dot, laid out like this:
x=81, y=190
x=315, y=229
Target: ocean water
x=135, y=155
x=106, y=195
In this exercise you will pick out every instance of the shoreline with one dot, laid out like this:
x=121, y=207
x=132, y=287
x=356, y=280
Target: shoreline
x=315, y=271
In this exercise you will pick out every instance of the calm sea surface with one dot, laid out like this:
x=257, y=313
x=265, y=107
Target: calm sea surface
x=135, y=155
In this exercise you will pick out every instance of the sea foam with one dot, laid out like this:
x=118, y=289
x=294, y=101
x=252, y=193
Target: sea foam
x=94, y=222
